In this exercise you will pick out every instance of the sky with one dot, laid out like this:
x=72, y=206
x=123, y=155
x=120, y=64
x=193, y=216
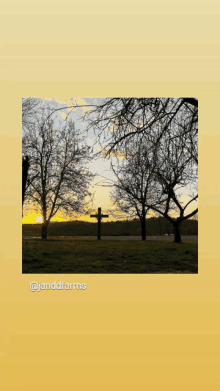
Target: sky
x=100, y=167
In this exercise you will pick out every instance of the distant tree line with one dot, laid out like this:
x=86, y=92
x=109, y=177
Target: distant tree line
x=154, y=226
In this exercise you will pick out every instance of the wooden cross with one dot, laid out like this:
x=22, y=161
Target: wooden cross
x=99, y=216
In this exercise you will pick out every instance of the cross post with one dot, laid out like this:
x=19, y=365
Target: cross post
x=99, y=216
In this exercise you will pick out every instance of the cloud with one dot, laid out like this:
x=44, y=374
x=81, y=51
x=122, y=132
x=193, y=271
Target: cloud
x=64, y=101
x=62, y=114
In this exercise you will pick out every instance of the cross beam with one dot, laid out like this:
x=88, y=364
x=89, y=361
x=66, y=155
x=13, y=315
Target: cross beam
x=99, y=217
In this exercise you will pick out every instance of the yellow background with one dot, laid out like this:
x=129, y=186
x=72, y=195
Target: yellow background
x=125, y=332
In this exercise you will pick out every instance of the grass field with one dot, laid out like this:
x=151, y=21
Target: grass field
x=89, y=256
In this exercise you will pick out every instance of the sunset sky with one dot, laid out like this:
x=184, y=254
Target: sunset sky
x=99, y=166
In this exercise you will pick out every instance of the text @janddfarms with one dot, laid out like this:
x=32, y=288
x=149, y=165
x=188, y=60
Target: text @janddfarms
x=62, y=285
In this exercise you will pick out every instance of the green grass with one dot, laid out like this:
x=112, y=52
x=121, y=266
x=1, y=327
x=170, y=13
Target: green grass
x=108, y=256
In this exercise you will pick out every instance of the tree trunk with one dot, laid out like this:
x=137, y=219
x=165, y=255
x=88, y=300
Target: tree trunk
x=176, y=228
x=143, y=228
x=44, y=230
x=25, y=167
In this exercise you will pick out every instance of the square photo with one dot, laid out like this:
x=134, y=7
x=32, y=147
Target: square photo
x=110, y=185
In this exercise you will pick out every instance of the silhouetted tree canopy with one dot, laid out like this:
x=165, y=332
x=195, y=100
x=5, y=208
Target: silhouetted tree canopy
x=136, y=187
x=118, y=120
x=168, y=128
x=58, y=177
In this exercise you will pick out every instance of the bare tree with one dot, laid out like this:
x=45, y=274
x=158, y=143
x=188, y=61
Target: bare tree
x=135, y=190
x=166, y=125
x=30, y=109
x=58, y=178
x=153, y=181
x=176, y=171
x=118, y=120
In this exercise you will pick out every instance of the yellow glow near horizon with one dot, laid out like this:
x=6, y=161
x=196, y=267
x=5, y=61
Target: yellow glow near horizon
x=101, y=199
x=34, y=218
